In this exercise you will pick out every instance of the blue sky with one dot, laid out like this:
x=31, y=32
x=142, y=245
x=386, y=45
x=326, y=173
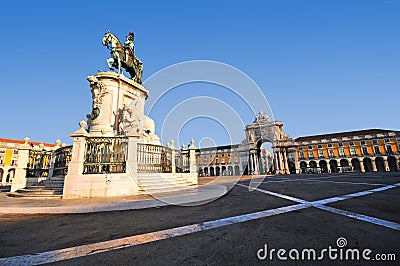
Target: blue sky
x=324, y=66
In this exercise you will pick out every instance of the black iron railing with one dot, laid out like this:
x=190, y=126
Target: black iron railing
x=182, y=161
x=39, y=163
x=105, y=155
x=154, y=158
x=62, y=157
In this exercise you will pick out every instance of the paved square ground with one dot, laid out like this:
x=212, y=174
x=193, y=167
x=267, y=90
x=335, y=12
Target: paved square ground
x=284, y=212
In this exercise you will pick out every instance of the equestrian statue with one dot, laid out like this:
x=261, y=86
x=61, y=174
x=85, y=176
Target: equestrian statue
x=123, y=56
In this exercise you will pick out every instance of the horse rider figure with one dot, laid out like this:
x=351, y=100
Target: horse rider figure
x=129, y=48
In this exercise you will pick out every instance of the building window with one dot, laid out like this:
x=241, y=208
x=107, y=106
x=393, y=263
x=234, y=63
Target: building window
x=340, y=144
x=331, y=153
x=352, y=143
x=300, y=148
x=352, y=151
x=15, y=151
x=14, y=162
x=2, y=151
x=330, y=145
x=341, y=151
x=363, y=142
x=389, y=149
x=1, y=159
x=365, y=150
x=309, y=147
x=376, y=149
x=387, y=140
x=320, y=154
x=319, y=146
x=302, y=155
x=310, y=154
x=374, y=141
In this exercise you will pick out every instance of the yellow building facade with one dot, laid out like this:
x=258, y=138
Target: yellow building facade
x=355, y=151
x=9, y=156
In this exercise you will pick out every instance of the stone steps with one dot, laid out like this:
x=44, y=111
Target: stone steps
x=159, y=183
x=52, y=188
x=36, y=192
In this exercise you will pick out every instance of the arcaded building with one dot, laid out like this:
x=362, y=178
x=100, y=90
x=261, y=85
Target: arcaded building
x=230, y=160
x=354, y=151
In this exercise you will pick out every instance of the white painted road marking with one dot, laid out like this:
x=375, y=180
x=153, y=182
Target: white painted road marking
x=320, y=204
x=360, y=217
x=100, y=247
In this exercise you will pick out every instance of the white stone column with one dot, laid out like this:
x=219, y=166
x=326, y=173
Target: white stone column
x=277, y=165
x=132, y=162
x=328, y=166
x=193, y=167
x=19, y=180
x=286, y=170
x=362, y=169
x=281, y=162
x=173, y=155
x=75, y=166
x=250, y=164
x=373, y=164
x=386, y=165
x=256, y=164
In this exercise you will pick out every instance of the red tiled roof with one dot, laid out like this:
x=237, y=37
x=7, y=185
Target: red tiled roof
x=345, y=134
x=22, y=142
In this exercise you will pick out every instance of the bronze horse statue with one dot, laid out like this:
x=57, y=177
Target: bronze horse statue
x=123, y=56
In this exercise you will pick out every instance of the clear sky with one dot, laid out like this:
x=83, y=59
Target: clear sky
x=324, y=66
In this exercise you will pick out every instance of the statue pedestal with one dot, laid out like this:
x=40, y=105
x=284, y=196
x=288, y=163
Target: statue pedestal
x=118, y=105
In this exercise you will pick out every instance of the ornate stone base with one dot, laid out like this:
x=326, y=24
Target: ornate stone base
x=118, y=105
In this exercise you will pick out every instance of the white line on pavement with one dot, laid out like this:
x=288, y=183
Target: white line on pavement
x=345, y=182
x=360, y=217
x=320, y=204
x=89, y=249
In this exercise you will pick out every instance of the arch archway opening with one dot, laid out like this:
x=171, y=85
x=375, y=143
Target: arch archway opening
x=392, y=163
x=356, y=165
x=212, y=171
x=205, y=171
x=334, y=166
x=367, y=165
x=265, y=156
x=303, y=167
x=380, y=166
x=324, y=166
x=237, y=170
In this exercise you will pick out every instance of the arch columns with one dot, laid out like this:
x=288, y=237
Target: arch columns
x=386, y=164
x=278, y=162
x=373, y=164
x=328, y=166
x=253, y=163
x=362, y=169
x=285, y=162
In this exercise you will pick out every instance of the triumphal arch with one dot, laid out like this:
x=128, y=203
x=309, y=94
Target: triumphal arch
x=264, y=130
